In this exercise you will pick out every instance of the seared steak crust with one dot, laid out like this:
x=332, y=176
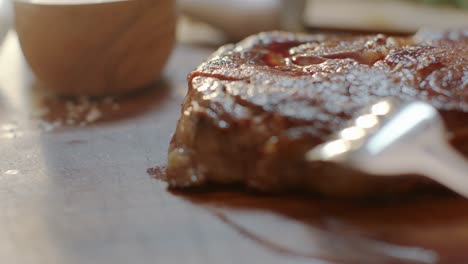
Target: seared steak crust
x=253, y=109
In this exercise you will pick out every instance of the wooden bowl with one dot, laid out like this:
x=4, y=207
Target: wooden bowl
x=89, y=47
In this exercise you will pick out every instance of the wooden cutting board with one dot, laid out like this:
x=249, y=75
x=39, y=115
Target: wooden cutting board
x=80, y=193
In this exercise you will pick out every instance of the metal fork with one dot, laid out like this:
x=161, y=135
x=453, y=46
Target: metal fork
x=392, y=138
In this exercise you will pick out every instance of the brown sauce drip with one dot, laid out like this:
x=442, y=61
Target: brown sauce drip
x=282, y=48
x=278, y=52
x=307, y=60
x=363, y=57
x=273, y=59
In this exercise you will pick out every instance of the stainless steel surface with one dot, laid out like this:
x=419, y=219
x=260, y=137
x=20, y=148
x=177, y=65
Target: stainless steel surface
x=391, y=138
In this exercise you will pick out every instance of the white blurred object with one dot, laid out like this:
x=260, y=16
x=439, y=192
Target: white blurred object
x=6, y=15
x=241, y=18
x=382, y=15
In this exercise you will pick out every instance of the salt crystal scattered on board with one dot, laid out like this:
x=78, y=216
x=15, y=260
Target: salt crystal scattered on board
x=80, y=111
x=93, y=115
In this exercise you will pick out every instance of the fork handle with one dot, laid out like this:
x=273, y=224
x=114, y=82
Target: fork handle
x=442, y=163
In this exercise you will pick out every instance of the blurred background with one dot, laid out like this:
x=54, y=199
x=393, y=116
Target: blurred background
x=235, y=19
x=230, y=20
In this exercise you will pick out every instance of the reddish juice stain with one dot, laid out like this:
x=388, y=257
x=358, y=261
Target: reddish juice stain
x=282, y=48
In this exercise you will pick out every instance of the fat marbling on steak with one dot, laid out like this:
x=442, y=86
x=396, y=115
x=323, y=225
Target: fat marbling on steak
x=255, y=108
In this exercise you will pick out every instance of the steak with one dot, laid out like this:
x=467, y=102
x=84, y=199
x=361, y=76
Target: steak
x=255, y=108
